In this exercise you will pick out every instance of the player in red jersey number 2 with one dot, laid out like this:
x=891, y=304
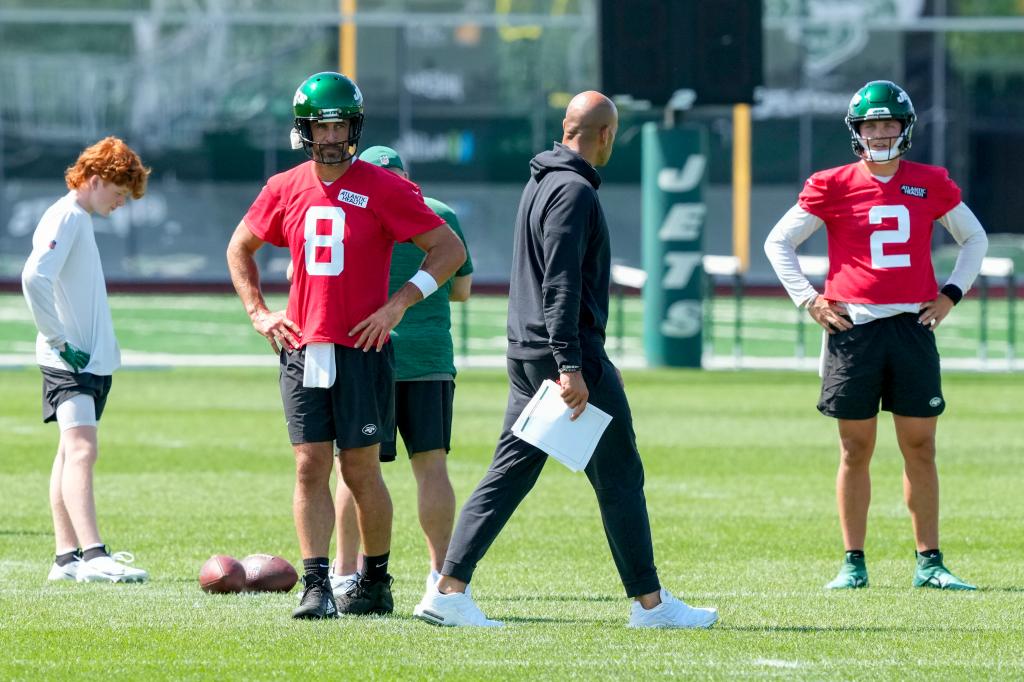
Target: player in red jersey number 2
x=339, y=218
x=880, y=309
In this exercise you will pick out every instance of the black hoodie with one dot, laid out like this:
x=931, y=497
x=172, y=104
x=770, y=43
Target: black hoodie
x=561, y=263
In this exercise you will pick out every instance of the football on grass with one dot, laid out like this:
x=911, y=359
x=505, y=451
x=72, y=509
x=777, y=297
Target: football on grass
x=268, y=573
x=222, y=574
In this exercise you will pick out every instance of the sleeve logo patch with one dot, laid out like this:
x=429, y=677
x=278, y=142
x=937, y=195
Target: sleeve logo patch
x=347, y=197
x=53, y=244
x=910, y=190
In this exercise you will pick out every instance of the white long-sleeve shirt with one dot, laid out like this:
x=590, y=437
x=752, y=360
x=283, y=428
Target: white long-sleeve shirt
x=64, y=286
x=797, y=225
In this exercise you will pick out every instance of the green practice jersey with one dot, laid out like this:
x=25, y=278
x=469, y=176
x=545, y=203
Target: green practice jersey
x=423, y=339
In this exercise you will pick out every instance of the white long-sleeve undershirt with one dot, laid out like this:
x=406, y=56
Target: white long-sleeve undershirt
x=65, y=290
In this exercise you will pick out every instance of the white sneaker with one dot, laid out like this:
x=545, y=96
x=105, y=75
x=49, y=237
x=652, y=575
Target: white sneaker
x=671, y=613
x=111, y=569
x=434, y=576
x=340, y=584
x=452, y=610
x=65, y=572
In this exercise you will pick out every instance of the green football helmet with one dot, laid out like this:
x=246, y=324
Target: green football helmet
x=880, y=100
x=328, y=96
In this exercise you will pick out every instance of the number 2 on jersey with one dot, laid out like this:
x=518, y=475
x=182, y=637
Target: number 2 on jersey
x=333, y=242
x=879, y=238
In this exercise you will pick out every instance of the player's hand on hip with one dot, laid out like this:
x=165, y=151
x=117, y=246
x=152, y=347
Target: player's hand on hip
x=831, y=316
x=374, y=331
x=278, y=329
x=574, y=392
x=934, y=312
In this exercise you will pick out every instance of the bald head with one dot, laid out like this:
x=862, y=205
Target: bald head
x=589, y=127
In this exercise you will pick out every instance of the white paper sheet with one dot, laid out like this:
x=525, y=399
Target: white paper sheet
x=545, y=423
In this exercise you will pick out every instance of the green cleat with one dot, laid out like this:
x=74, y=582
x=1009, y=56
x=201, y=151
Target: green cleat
x=852, y=575
x=931, y=572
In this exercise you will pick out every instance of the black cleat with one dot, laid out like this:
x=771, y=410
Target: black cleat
x=365, y=597
x=317, y=600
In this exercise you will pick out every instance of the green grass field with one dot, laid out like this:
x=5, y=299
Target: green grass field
x=216, y=323
x=740, y=471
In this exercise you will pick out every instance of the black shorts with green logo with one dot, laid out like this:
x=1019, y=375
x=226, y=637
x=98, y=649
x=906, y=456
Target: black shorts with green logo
x=357, y=411
x=892, y=360
x=60, y=385
x=423, y=412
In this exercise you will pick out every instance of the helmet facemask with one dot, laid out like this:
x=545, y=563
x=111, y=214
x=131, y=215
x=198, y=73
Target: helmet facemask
x=896, y=145
x=323, y=152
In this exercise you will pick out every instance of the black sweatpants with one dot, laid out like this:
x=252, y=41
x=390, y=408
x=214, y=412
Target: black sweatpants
x=615, y=471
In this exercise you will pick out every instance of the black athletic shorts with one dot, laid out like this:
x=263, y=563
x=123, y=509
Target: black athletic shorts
x=423, y=412
x=60, y=384
x=893, y=360
x=357, y=411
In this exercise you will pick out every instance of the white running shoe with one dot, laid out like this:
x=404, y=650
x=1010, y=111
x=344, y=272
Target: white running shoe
x=340, y=584
x=671, y=613
x=65, y=572
x=111, y=569
x=452, y=610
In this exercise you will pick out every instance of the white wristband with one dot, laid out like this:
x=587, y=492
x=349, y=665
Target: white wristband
x=424, y=282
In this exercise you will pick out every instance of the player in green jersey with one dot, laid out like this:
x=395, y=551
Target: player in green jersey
x=424, y=391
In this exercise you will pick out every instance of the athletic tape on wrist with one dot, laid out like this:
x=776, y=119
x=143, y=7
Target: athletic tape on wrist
x=424, y=282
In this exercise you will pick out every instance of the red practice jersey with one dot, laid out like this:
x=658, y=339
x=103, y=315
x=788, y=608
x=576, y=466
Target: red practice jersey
x=880, y=233
x=341, y=237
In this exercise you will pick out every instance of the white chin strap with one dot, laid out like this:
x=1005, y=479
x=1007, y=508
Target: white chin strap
x=882, y=155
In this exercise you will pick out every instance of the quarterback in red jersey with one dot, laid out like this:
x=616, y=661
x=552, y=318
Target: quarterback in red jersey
x=880, y=308
x=340, y=219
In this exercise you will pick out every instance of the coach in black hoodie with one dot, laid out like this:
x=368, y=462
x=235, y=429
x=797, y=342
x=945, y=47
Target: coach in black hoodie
x=558, y=308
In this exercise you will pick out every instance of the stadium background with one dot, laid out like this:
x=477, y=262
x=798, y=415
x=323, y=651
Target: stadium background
x=468, y=91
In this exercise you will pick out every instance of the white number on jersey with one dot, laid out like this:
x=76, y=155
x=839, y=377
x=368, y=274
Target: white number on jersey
x=333, y=241
x=879, y=238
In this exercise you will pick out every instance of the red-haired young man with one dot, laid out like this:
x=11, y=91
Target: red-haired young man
x=77, y=351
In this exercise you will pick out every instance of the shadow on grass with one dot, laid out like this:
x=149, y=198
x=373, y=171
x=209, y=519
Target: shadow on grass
x=539, y=620
x=556, y=597
x=847, y=628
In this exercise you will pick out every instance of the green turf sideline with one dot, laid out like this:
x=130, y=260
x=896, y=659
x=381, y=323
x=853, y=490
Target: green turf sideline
x=740, y=473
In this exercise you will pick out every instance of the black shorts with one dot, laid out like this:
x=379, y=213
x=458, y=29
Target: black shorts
x=423, y=412
x=357, y=411
x=893, y=360
x=59, y=385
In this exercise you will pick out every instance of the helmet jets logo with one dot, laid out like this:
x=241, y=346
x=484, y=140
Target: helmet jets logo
x=878, y=112
x=300, y=98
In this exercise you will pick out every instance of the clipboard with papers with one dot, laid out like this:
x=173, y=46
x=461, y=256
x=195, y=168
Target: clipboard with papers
x=545, y=423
